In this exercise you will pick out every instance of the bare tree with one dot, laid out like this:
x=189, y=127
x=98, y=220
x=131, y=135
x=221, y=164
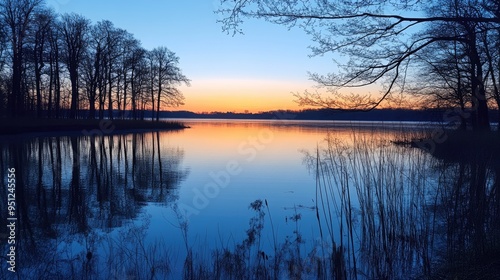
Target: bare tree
x=138, y=80
x=42, y=23
x=165, y=76
x=4, y=80
x=17, y=15
x=132, y=52
x=96, y=66
x=90, y=73
x=491, y=42
x=113, y=41
x=105, y=67
x=381, y=45
x=75, y=31
x=54, y=94
x=444, y=70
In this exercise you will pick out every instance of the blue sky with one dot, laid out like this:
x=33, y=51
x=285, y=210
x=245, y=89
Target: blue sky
x=255, y=71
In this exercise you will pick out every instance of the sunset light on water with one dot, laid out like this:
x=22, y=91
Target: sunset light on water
x=249, y=139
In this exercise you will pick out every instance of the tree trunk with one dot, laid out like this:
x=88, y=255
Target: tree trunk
x=482, y=117
x=73, y=76
x=480, y=120
x=51, y=81
x=110, y=97
x=57, y=88
x=124, y=94
x=38, y=79
x=16, y=100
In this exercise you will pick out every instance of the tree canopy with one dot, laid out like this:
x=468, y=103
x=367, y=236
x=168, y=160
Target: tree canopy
x=386, y=43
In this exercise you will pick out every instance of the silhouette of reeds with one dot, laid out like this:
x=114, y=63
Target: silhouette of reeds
x=371, y=202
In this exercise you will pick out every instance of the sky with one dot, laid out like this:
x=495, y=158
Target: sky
x=254, y=72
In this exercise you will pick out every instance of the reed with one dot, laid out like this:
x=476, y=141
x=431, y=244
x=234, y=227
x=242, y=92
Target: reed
x=371, y=198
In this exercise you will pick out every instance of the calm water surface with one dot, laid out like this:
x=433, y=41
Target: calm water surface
x=337, y=199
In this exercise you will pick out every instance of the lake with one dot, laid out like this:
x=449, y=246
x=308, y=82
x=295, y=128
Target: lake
x=246, y=199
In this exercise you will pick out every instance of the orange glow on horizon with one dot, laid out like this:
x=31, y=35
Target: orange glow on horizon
x=240, y=95
x=254, y=96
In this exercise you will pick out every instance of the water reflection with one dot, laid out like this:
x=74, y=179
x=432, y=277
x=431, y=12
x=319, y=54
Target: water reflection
x=394, y=212
x=469, y=208
x=367, y=209
x=71, y=191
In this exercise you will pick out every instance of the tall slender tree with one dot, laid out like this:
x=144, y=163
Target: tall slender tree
x=166, y=76
x=4, y=79
x=43, y=22
x=54, y=94
x=75, y=30
x=17, y=15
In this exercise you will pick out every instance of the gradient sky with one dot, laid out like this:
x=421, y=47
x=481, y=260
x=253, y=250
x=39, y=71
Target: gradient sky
x=257, y=71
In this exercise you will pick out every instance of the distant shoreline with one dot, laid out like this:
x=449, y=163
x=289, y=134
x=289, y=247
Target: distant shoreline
x=96, y=127
x=427, y=115
x=423, y=115
x=85, y=127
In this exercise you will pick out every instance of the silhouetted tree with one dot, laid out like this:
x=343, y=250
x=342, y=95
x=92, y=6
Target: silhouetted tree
x=4, y=80
x=444, y=71
x=113, y=37
x=91, y=71
x=54, y=94
x=130, y=47
x=381, y=44
x=58, y=64
x=137, y=64
x=17, y=15
x=490, y=39
x=75, y=32
x=42, y=24
x=165, y=75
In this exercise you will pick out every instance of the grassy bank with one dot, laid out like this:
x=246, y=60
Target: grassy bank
x=20, y=126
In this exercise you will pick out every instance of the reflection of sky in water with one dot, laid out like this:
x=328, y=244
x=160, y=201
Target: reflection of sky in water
x=270, y=162
x=270, y=156
x=257, y=160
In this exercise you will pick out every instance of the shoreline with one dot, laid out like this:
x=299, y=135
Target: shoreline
x=85, y=127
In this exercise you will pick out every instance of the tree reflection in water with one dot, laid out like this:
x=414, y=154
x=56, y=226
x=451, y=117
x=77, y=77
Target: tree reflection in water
x=72, y=191
x=469, y=208
x=384, y=212
x=396, y=212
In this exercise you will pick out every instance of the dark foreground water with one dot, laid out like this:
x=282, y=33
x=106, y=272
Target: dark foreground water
x=246, y=200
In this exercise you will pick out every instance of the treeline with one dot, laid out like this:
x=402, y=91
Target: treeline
x=459, y=63
x=441, y=115
x=64, y=66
